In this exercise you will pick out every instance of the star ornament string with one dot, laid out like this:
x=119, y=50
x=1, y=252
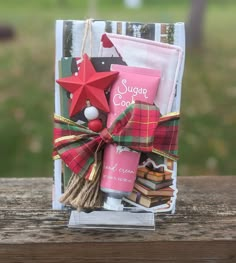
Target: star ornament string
x=87, y=31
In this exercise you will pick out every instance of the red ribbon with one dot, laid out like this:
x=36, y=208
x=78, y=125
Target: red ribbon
x=140, y=127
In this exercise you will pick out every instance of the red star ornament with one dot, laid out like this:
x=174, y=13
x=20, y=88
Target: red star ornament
x=88, y=85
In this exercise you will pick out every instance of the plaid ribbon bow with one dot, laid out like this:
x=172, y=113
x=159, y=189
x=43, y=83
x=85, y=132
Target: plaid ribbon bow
x=140, y=127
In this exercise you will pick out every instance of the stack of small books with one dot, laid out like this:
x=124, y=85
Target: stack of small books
x=152, y=188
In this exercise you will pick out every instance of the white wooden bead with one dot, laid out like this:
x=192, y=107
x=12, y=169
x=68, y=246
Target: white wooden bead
x=91, y=113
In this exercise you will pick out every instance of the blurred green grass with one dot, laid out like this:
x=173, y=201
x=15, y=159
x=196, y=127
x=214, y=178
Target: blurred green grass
x=207, y=144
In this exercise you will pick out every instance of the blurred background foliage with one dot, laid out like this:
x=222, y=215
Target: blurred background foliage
x=207, y=137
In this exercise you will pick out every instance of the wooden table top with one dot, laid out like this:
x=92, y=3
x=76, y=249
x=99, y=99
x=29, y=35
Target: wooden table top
x=203, y=229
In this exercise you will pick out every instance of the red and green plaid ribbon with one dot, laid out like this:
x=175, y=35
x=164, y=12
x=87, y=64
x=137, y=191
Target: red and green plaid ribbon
x=140, y=127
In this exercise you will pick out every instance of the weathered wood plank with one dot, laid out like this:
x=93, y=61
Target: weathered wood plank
x=206, y=216
x=120, y=252
x=205, y=211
